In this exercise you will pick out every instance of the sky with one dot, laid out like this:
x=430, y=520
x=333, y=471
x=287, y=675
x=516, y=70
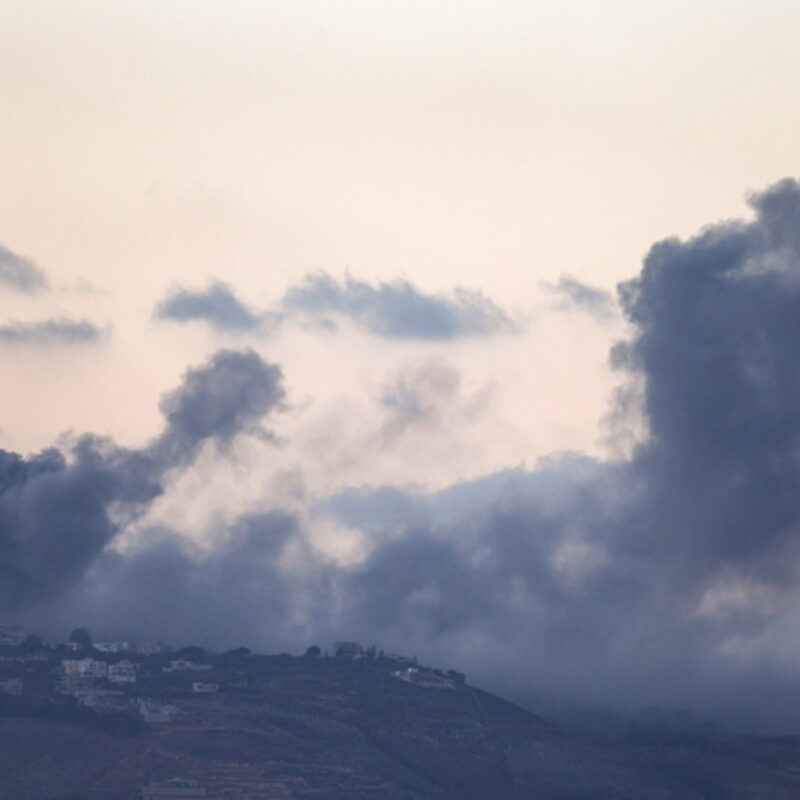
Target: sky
x=328, y=294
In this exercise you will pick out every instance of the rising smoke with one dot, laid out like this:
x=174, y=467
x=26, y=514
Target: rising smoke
x=670, y=576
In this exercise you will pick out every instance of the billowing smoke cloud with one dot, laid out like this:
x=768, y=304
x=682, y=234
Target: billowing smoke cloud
x=396, y=310
x=668, y=577
x=49, y=332
x=55, y=515
x=220, y=400
x=572, y=293
x=59, y=510
x=237, y=594
x=20, y=274
x=217, y=305
x=399, y=310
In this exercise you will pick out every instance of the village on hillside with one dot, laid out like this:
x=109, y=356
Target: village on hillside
x=127, y=688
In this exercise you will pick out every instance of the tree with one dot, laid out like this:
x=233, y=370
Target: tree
x=82, y=637
x=237, y=652
x=313, y=652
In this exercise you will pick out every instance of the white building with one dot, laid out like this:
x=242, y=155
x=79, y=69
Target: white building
x=424, y=678
x=86, y=667
x=155, y=713
x=113, y=647
x=122, y=672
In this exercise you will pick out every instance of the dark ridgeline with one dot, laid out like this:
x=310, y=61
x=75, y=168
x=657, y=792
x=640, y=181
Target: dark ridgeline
x=110, y=720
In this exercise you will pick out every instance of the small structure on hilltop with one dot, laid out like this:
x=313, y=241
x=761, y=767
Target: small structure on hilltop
x=122, y=672
x=155, y=713
x=351, y=650
x=88, y=667
x=113, y=647
x=425, y=678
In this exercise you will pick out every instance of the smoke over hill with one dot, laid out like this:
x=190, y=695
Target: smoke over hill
x=669, y=576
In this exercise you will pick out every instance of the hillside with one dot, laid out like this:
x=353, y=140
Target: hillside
x=331, y=728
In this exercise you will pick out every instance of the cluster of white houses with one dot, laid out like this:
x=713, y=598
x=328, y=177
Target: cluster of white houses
x=118, y=672
x=79, y=677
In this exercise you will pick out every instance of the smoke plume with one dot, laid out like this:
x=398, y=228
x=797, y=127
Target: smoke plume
x=670, y=576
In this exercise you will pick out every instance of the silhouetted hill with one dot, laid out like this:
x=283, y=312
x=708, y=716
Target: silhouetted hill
x=337, y=729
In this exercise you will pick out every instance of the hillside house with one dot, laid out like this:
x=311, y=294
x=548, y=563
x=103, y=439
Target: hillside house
x=88, y=667
x=423, y=677
x=122, y=672
x=113, y=647
x=155, y=713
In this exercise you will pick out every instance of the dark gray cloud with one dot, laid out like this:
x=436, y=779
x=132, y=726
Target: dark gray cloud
x=217, y=305
x=224, y=398
x=718, y=331
x=232, y=596
x=399, y=310
x=55, y=515
x=573, y=293
x=56, y=331
x=396, y=310
x=20, y=274
x=59, y=510
x=672, y=576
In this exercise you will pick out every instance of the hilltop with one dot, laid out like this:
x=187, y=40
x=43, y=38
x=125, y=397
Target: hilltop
x=356, y=725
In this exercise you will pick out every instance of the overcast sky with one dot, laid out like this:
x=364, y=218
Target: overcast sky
x=419, y=210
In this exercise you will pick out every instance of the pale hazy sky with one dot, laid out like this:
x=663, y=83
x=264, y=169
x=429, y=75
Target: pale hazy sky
x=466, y=183
x=493, y=145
